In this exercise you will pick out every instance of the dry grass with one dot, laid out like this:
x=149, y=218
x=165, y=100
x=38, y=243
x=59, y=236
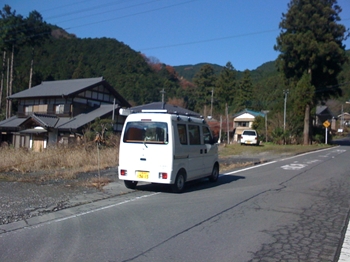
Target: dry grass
x=59, y=162
x=236, y=149
x=65, y=163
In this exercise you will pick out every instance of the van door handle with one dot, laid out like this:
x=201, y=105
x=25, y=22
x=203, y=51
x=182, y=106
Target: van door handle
x=201, y=151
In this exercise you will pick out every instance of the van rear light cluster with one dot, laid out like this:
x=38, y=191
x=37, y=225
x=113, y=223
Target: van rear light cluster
x=163, y=175
x=123, y=172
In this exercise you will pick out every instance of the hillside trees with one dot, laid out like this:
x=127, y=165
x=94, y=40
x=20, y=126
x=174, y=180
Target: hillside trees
x=11, y=37
x=123, y=68
x=205, y=81
x=15, y=33
x=244, y=98
x=225, y=88
x=36, y=31
x=310, y=42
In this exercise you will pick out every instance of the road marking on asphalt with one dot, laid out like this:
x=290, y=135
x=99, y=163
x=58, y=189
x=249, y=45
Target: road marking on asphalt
x=280, y=160
x=293, y=167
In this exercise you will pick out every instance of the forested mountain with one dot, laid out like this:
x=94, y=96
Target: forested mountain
x=136, y=77
x=189, y=71
x=126, y=70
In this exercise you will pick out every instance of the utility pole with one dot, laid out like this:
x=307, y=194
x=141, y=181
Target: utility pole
x=162, y=92
x=342, y=117
x=220, y=129
x=212, y=98
x=227, y=125
x=265, y=112
x=285, y=92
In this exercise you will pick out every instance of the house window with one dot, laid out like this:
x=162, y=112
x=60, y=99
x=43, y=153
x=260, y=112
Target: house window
x=28, y=109
x=243, y=123
x=59, y=109
x=42, y=109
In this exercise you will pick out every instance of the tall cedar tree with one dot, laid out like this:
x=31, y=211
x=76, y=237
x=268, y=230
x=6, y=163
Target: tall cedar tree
x=205, y=82
x=12, y=36
x=244, y=98
x=311, y=42
x=225, y=87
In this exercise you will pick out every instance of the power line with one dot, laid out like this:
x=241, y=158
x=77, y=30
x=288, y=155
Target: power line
x=134, y=14
x=211, y=39
x=97, y=7
x=109, y=11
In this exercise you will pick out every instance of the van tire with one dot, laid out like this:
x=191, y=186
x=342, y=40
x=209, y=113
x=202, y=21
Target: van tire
x=214, y=174
x=179, y=184
x=130, y=184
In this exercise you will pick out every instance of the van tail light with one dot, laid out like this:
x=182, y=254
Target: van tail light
x=123, y=172
x=163, y=175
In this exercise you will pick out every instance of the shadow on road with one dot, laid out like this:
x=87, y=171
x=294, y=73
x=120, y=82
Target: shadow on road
x=196, y=185
x=342, y=142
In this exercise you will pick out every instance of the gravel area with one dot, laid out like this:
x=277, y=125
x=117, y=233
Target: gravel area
x=23, y=200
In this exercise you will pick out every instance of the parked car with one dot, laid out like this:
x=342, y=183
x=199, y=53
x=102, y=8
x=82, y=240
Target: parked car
x=250, y=137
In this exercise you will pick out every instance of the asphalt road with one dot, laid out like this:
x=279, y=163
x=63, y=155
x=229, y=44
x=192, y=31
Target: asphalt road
x=293, y=209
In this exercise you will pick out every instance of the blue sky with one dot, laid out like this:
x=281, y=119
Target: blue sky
x=176, y=32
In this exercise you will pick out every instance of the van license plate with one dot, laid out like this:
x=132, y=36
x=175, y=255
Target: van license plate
x=142, y=174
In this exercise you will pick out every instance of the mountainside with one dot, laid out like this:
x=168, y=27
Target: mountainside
x=265, y=70
x=67, y=57
x=134, y=76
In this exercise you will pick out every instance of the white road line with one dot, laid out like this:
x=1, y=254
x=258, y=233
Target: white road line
x=345, y=250
x=244, y=169
x=77, y=215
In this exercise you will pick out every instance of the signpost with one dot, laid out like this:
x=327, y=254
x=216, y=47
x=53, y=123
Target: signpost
x=326, y=124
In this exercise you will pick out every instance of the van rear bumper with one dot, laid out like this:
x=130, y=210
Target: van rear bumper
x=148, y=176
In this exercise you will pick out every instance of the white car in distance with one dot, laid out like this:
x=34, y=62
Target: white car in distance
x=249, y=137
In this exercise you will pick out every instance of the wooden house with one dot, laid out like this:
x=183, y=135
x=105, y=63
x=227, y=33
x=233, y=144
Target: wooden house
x=58, y=111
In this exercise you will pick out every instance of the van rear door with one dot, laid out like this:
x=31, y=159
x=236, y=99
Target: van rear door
x=145, y=150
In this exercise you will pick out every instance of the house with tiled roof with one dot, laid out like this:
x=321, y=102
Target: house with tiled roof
x=58, y=111
x=244, y=120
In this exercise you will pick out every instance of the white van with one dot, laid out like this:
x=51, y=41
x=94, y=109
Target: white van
x=157, y=146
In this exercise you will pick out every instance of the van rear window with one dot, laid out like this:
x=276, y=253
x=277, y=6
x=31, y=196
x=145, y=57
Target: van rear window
x=149, y=132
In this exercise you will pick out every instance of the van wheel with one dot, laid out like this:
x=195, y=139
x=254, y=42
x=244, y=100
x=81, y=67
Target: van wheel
x=179, y=184
x=130, y=184
x=214, y=174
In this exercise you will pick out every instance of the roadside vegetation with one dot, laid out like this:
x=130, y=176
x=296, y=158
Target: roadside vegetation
x=60, y=163
x=68, y=163
x=273, y=149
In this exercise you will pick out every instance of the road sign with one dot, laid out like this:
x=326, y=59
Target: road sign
x=326, y=124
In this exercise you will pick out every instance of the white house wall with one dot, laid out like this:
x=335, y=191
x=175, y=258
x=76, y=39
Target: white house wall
x=244, y=116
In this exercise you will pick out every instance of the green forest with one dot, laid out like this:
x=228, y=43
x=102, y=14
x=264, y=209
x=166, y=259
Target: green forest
x=33, y=51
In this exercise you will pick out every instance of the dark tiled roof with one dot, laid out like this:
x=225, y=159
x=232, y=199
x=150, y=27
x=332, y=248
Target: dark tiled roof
x=60, y=123
x=11, y=122
x=57, y=88
x=46, y=120
x=83, y=119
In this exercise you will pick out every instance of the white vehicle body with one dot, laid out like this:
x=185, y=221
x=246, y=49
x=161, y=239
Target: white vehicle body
x=160, y=147
x=249, y=137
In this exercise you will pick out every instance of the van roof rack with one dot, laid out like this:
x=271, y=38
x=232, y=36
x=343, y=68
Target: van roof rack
x=160, y=107
x=167, y=112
